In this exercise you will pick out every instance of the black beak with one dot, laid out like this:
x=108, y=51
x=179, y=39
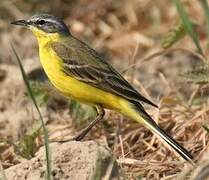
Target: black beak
x=20, y=23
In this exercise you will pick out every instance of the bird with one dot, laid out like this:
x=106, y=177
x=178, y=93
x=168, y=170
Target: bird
x=79, y=72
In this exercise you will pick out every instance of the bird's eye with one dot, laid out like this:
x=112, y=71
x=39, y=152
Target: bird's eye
x=40, y=22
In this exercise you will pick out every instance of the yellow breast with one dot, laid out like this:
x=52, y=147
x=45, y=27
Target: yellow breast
x=68, y=85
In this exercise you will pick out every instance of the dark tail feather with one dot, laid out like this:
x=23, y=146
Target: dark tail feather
x=176, y=146
x=150, y=123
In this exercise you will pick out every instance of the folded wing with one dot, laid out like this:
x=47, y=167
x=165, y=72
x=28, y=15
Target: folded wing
x=85, y=64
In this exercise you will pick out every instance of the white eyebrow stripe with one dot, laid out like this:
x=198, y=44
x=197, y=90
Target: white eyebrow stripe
x=53, y=24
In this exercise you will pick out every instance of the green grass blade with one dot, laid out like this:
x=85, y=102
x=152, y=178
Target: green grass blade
x=46, y=142
x=187, y=24
x=205, y=7
x=199, y=75
x=175, y=34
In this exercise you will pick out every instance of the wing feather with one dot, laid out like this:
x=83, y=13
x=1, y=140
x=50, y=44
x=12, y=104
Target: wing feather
x=84, y=64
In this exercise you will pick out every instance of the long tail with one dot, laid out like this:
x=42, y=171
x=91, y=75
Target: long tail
x=137, y=112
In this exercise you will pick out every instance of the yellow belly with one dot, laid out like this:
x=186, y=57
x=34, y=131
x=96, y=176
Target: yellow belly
x=73, y=88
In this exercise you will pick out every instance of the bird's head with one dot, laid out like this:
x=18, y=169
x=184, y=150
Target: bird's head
x=44, y=25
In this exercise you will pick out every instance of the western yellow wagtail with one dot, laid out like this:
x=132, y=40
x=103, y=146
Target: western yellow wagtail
x=79, y=72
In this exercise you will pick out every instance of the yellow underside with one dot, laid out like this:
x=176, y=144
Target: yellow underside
x=75, y=89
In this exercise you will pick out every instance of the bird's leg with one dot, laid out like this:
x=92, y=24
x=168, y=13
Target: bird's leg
x=99, y=117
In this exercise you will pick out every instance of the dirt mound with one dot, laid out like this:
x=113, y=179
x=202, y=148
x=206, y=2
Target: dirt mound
x=71, y=160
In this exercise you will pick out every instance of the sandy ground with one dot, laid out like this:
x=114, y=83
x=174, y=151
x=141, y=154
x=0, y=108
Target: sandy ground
x=72, y=160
